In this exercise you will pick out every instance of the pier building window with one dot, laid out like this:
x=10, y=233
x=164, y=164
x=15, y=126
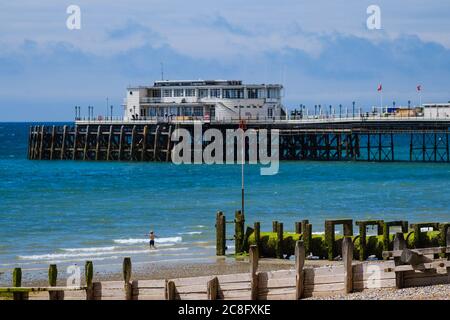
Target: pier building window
x=187, y=111
x=178, y=93
x=233, y=93
x=167, y=92
x=203, y=93
x=270, y=112
x=212, y=113
x=198, y=111
x=252, y=93
x=152, y=112
x=190, y=92
x=173, y=111
x=273, y=93
x=215, y=93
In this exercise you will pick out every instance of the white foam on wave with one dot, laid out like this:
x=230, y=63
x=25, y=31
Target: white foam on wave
x=157, y=240
x=94, y=249
x=54, y=256
x=190, y=233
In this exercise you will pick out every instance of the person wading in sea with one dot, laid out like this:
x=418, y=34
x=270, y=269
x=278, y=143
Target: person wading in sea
x=152, y=240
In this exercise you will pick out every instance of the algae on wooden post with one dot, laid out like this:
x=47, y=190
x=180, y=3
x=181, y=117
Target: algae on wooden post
x=89, y=276
x=220, y=234
x=52, y=278
x=307, y=237
x=274, y=226
x=279, y=246
x=17, y=282
x=257, y=232
x=329, y=238
x=239, y=231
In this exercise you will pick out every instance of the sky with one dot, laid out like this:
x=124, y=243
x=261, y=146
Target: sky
x=321, y=51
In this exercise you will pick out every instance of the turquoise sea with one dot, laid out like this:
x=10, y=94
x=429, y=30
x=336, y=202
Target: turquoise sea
x=68, y=212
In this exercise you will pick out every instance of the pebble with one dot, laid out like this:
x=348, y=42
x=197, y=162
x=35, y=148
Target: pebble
x=436, y=292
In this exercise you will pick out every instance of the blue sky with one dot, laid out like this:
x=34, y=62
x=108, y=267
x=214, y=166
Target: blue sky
x=322, y=52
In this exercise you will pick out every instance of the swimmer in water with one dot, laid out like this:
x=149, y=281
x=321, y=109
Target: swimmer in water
x=152, y=240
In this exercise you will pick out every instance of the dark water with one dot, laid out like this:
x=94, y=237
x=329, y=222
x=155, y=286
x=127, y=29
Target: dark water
x=68, y=212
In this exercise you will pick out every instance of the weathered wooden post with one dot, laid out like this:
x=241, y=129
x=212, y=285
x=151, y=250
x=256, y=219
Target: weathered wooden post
x=274, y=226
x=448, y=242
x=171, y=290
x=257, y=232
x=299, y=272
x=399, y=244
x=17, y=283
x=298, y=227
x=239, y=231
x=89, y=275
x=443, y=236
x=279, y=246
x=253, y=256
x=347, y=256
x=127, y=278
x=212, y=289
x=307, y=237
x=220, y=234
x=52, y=278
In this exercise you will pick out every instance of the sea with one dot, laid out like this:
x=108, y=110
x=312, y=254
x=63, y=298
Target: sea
x=67, y=212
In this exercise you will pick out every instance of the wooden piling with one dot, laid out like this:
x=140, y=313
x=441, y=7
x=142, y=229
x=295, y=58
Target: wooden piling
x=52, y=278
x=257, y=227
x=239, y=222
x=253, y=257
x=108, y=150
x=63, y=143
x=122, y=133
x=220, y=234
x=212, y=289
x=171, y=290
x=448, y=241
x=399, y=244
x=126, y=268
x=52, y=144
x=155, y=144
x=97, y=143
x=41, y=144
x=86, y=144
x=307, y=238
x=144, y=143
x=17, y=283
x=274, y=226
x=133, y=141
x=298, y=227
x=299, y=273
x=169, y=134
x=347, y=257
x=75, y=141
x=279, y=246
x=89, y=277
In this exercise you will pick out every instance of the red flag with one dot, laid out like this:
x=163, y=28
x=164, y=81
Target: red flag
x=419, y=87
x=380, y=87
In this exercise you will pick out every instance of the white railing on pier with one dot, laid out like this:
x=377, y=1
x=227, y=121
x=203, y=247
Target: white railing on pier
x=311, y=119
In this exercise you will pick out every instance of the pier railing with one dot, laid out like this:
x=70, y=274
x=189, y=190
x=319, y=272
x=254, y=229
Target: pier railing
x=294, y=119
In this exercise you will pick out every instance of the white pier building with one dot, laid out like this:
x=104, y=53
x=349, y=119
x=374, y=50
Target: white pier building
x=206, y=100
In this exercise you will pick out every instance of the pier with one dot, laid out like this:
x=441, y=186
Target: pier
x=414, y=139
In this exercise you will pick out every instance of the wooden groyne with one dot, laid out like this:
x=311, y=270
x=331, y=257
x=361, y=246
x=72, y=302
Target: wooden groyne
x=359, y=141
x=278, y=243
x=408, y=268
